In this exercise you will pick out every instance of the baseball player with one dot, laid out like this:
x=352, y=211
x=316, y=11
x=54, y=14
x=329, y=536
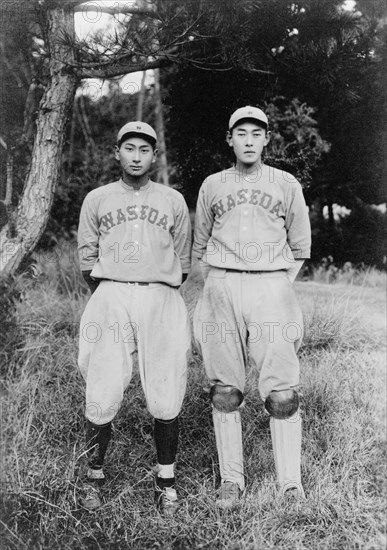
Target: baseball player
x=134, y=243
x=252, y=234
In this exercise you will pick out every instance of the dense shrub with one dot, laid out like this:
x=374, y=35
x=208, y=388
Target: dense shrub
x=359, y=238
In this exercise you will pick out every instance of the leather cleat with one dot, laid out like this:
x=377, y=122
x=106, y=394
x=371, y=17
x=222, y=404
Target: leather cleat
x=166, y=497
x=91, y=495
x=229, y=495
x=293, y=493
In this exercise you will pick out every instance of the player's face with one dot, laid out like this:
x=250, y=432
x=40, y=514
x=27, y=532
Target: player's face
x=248, y=141
x=136, y=156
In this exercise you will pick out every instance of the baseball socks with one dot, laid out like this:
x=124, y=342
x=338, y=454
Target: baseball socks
x=228, y=436
x=166, y=435
x=97, y=441
x=286, y=437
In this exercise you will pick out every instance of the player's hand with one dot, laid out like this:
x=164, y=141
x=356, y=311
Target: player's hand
x=91, y=282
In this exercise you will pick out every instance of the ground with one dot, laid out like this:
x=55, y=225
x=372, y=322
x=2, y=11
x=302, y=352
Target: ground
x=343, y=402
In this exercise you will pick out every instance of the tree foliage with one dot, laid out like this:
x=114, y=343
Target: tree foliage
x=143, y=42
x=360, y=237
x=330, y=60
x=318, y=69
x=88, y=160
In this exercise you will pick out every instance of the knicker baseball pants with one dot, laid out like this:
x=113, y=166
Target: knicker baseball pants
x=119, y=319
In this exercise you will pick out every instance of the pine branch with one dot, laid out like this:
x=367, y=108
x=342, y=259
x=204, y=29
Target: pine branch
x=109, y=70
x=124, y=10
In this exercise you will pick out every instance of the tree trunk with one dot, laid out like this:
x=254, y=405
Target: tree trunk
x=331, y=217
x=162, y=156
x=140, y=98
x=72, y=140
x=33, y=210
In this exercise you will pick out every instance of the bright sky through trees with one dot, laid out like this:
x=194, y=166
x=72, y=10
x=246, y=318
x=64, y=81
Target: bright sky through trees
x=90, y=20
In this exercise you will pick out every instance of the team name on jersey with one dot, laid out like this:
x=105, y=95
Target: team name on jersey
x=246, y=196
x=130, y=213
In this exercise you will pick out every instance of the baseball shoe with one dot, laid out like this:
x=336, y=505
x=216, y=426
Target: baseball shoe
x=294, y=493
x=229, y=495
x=91, y=495
x=166, y=496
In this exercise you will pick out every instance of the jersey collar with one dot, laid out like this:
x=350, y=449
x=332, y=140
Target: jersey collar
x=129, y=188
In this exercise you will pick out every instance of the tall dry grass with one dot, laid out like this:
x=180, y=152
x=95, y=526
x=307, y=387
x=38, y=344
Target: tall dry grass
x=344, y=451
x=348, y=274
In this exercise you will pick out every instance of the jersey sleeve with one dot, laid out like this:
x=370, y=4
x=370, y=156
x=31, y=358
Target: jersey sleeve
x=182, y=236
x=204, y=220
x=297, y=223
x=88, y=235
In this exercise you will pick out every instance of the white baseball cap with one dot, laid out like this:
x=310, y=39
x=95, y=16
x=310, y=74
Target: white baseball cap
x=247, y=112
x=136, y=127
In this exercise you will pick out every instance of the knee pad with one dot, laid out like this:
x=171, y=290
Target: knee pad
x=282, y=404
x=226, y=398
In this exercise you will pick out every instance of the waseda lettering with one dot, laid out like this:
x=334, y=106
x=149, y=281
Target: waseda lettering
x=163, y=222
x=153, y=215
x=230, y=202
x=276, y=208
x=244, y=196
x=254, y=196
x=218, y=209
x=141, y=212
x=107, y=221
x=132, y=214
x=120, y=217
x=265, y=201
x=144, y=208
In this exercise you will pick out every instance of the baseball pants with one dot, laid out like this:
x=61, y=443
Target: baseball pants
x=254, y=316
x=119, y=319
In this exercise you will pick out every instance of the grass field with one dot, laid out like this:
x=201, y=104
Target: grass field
x=344, y=446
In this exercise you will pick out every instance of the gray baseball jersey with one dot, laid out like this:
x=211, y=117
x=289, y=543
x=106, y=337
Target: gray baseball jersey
x=256, y=223
x=135, y=235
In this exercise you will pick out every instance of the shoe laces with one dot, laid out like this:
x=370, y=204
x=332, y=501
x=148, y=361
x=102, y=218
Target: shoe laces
x=170, y=495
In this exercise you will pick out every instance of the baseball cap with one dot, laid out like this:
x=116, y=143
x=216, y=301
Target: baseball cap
x=136, y=127
x=247, y=112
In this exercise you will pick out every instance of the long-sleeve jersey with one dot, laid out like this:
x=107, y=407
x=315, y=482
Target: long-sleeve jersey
x=140, y=235
x=251, y=223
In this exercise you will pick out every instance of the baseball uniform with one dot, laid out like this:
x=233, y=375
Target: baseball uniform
x=249, y=233
x=137, y=242
x=134, y=246
x=250, y=227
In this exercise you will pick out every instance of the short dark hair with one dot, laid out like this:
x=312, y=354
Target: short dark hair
x=145, y=137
